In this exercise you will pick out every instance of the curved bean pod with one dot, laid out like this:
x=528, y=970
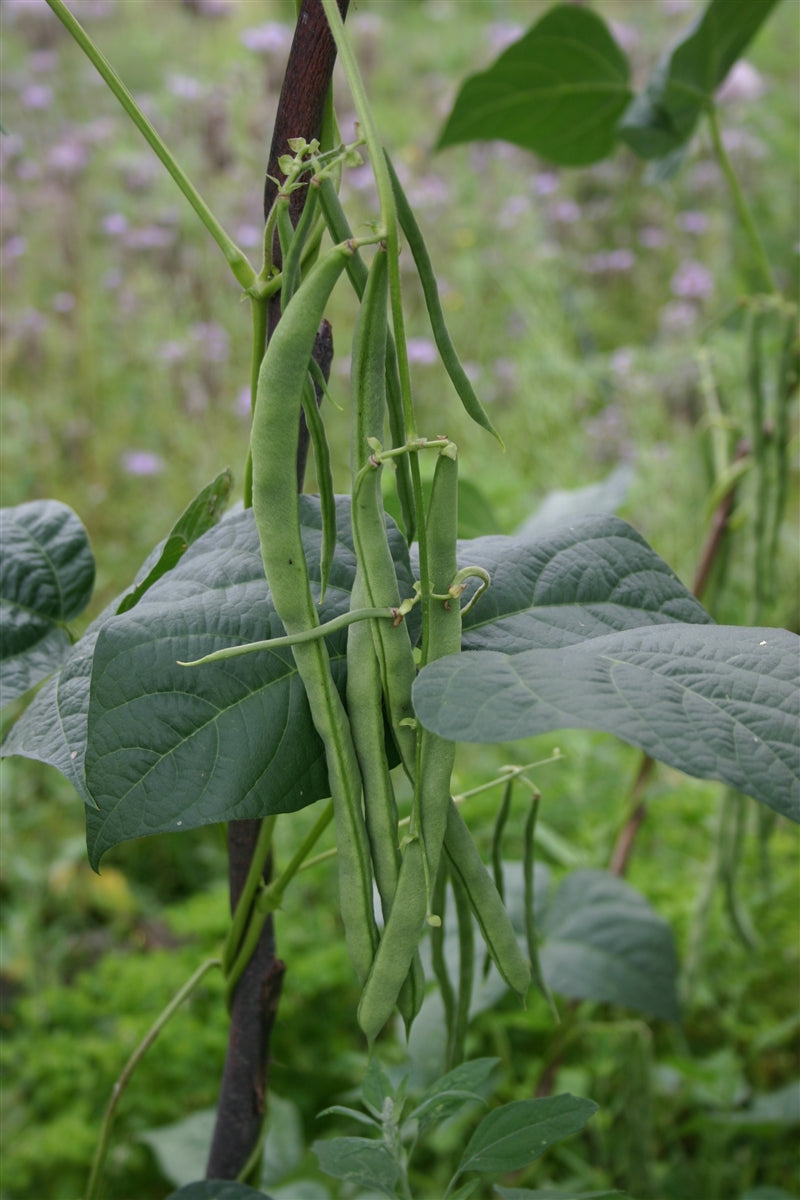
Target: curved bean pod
x=490, y=912
x=380, y=661
x=420, y=860
x=430, y=290
x=276, y=507
x=340, y=231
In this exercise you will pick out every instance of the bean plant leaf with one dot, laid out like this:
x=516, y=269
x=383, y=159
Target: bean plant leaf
x=363, y=1161
x=551, y=1194
x=516, y=1134
x=602, y=941
x=47, y=581
x=217, y=1189
x=173, y=747
x=448, y=1094
x=718, y=702
x=558, y=91
x=580, y=580
x=199, y=516
x=663, y=116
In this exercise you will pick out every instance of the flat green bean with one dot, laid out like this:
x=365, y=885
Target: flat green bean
x=419, y=864
x=430, y=290
x=368, y=674
x=322, y=466
x=293, y=255
x=490, y=913
x=340, y=231
x=276, y=506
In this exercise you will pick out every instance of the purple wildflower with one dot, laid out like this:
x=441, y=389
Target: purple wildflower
x=421, y=351
x=743, y=82
x=63, y=302
x=272, y=38
x=142, y=462
x=114, y=224
x=36, y=96
x=692, y=221
x=566, y=212
x=692, y=281
x=652, y=238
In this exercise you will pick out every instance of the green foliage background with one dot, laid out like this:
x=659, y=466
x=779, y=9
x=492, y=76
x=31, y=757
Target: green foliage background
x=123, y=334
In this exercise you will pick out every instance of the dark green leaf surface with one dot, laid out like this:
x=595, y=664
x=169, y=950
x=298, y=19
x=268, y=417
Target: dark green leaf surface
x=718, y=702
x=663, y=117
x=448, y=1094
x=173, y=747
x=587, y=578
x=47, y=580
x=510, y=1137
x=362, y=1161
x=213, y=1189
x=551, y=1194
x=603, y=942
x=559, y=91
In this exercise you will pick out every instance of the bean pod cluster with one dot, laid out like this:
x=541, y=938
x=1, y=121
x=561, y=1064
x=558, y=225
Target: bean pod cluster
x=406, y=865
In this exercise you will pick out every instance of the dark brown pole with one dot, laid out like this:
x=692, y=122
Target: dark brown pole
x=243, y=1091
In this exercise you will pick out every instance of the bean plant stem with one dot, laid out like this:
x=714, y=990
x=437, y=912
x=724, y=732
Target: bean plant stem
x=244, y=905
x=236, y=258
x=759, y=256
x=144, y=1045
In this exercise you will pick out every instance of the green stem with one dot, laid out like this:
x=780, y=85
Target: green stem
x=244, y=905
x=236, y=259
x=306, y=635
x=259, y=308
x=744, y=214
x=265, y=902
x=131, y=1065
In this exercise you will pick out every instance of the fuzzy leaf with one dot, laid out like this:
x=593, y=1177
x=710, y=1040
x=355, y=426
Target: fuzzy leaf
x=172, y=747
x=663, y=116
x=362, y=1161
x=516, y=1134
x=47, y=580
x=718, y=702
x=558, y=91
x=603, y=942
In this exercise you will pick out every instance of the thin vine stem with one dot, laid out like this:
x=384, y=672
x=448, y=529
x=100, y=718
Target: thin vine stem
x=244, y=905
x=235, y=257
x=759, y=255
x=177, y=1000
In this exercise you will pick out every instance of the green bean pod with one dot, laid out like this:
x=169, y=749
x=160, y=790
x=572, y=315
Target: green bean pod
x=442, y=636
x=276, y=506
x=430, y=290
x=490, y=913
x=340, y=231
x=380, y=661
x=420, y=860
x=365, y=712
x=322, y=466
x=292, y=256
x=368, y=384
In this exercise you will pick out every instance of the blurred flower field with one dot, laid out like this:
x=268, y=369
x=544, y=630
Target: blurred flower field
x=591, y=308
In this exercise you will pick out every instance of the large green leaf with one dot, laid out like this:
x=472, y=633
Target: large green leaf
x=516, y=1134
x=581, y=580
x=718, y=702
x=602, y=941
x=365, y=1162
x=559, y=91
x=47, y=581
x=217, y=1189
x=663, y=116
x=173, y=747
